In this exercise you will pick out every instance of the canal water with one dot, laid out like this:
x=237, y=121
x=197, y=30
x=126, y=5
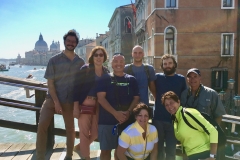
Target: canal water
x=24, y=116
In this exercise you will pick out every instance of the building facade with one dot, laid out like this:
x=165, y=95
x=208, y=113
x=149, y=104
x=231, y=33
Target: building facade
x=199, y=34
x=121, y=32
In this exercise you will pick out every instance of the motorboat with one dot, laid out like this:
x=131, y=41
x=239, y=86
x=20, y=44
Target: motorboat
x=29, y=76
x=3, y=67
x=12, y=63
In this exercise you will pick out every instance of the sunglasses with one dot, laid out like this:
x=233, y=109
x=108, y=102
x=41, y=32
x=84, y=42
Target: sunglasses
x=100, y=55
x=115, y=130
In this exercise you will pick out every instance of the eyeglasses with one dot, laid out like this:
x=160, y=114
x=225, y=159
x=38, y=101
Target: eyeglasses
x=115, y=130
x=100, y=55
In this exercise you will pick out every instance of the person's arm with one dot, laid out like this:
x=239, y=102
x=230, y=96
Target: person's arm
x=133, y=105
x=121, y=153
x=119, y=115
x=154, y=153
x=218, y=120
x=152, y=88
x=52, y=91
x=213, y=150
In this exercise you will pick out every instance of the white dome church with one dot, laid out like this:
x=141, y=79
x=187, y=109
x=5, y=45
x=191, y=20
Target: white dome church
x=41, y=46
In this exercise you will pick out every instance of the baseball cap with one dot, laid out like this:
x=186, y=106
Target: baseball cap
x=194, y=70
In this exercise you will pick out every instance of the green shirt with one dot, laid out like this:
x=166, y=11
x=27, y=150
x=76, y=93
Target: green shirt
x=194, y=141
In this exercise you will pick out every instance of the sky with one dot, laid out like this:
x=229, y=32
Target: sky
x=22, y=21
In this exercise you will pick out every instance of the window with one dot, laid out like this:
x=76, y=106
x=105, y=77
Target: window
x=152, y=43
x=227, y=44
x=171, y=3
x=152, y=5
x=219, y=79
x=128, y=25
x=227, y=4
x=169, y=41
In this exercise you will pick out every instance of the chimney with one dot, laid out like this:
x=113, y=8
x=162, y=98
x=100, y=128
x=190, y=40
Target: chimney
x=96, y=35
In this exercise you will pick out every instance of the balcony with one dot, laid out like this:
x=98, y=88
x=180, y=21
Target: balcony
x=140, y=27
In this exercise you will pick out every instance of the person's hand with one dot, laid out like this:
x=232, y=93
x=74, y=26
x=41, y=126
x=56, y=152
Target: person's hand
x=76, y=111
x=58, y=108
x=127, y=113
x=120, y=116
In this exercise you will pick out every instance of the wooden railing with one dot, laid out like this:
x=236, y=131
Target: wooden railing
x=40, y=93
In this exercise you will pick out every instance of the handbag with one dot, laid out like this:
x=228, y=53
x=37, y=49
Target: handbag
x=88, y=110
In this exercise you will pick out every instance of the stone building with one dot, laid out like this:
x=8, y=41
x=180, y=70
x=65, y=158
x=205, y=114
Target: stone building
x=41, y=55
x=80, y=47
x=201, y=34
x=85, y=50
x=121, y=32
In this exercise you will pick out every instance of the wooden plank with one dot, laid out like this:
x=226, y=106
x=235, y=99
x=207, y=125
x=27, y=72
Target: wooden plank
x=16, y=101
x=19, y=106
x=4, y=147
x=19, y=126
x=57, y=152
x=12, y=151
x=231, y=117
x=24, y=81
x=233, y=141
x=25, y=152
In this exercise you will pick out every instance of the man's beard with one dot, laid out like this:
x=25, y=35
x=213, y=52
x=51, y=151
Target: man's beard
x=70, y=49
x=169, y=72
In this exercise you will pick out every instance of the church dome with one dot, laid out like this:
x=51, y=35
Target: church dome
x=41, y=42
x=53, y=45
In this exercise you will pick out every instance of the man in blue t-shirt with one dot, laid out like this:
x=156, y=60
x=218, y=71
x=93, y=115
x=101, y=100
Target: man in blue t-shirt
x=167, y=81
x=117, y=94
x=144, y=73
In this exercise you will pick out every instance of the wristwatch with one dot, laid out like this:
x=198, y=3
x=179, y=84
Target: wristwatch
x=213, y=155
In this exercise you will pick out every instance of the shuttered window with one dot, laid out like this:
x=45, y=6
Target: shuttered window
x=219, y=79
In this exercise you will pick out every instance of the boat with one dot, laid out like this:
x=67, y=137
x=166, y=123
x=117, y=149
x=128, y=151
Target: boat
x=12, y=63
x=29, y=76
x=3, y=67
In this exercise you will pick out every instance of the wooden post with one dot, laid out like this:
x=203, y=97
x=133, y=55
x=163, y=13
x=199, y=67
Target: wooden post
x=39, y=99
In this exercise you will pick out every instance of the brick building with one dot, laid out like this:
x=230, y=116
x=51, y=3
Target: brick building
x=201, y=34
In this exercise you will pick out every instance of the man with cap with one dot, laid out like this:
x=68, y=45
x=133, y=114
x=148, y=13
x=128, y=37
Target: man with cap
x=117, y=94
x=203, y=98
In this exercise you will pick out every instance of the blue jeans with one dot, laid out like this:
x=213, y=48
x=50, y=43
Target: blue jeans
x=165, y=134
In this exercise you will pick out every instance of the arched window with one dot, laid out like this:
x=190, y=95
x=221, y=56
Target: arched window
x=169, y=40
x=128, y=25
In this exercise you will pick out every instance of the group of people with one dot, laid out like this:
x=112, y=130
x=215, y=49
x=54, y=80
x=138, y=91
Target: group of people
x=114, y=107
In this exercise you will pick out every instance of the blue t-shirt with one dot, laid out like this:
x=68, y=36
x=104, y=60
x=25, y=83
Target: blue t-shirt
x=175, y=83
x=142, y=80
x=126, y=90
